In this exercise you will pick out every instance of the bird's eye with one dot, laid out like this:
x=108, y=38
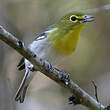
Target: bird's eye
x=73, y=18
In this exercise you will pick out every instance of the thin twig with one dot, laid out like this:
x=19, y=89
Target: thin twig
x=96, y=94
x=96, y=10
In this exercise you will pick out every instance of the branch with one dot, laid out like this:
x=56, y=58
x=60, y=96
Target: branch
x=58, y=76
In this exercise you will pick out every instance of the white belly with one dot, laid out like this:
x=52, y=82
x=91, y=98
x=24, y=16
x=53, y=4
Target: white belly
x=42, y=49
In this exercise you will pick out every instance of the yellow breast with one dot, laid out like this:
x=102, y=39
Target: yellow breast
x=68, y=43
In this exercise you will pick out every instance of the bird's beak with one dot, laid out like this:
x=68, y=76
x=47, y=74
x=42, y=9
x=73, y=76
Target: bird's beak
x=88, y=18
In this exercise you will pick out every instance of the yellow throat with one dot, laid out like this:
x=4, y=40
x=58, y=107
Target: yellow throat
x=68, y=42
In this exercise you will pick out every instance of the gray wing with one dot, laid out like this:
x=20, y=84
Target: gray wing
x=44, y=34
x=41, y=36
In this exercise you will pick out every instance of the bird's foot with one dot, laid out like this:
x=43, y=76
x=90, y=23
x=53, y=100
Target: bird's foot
x=48, y=65
x=63, y=76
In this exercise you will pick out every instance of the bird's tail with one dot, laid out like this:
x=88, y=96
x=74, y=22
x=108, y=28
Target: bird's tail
x=20, y=95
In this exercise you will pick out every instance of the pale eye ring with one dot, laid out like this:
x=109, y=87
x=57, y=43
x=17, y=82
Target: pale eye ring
x=73, y=18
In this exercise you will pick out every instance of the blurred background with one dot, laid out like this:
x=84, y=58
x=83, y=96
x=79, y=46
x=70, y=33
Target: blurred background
x=91, y=60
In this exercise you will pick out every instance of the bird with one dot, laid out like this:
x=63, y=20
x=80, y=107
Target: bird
x=55, y=43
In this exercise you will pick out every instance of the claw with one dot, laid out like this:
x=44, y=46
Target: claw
x=66, y=75
x=48, y=65
x=63, y=76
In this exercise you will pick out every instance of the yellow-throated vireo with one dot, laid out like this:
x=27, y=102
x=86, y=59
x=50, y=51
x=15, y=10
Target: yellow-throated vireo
x=56, y=42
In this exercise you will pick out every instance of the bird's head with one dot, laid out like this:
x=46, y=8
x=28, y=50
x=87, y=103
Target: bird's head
x=74, y=19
